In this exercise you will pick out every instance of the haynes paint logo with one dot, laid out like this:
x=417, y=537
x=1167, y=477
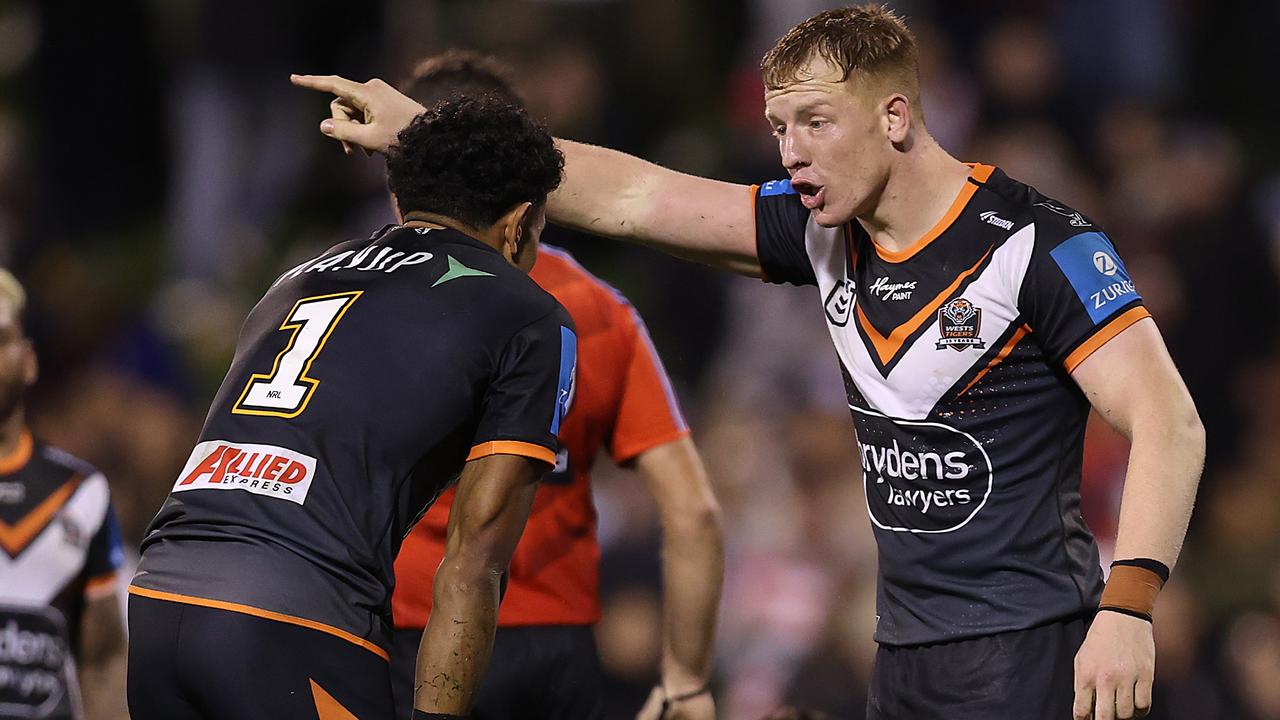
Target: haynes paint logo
x=260, y=469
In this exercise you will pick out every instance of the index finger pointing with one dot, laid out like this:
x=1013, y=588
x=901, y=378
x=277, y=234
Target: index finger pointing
x=346, y=89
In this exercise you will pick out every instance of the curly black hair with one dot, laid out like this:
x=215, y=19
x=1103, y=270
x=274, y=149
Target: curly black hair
x=472, y=159
x=460, y=72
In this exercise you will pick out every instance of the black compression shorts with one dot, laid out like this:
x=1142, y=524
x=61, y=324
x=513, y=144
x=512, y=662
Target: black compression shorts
x=549, y=672
x=188, y=662
x=1009, y=676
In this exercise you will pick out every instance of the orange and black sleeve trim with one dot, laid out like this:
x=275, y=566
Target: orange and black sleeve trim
x=1104, y=335
x=512, y=447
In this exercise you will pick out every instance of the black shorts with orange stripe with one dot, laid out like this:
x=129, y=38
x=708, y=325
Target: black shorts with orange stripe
x=189, y=662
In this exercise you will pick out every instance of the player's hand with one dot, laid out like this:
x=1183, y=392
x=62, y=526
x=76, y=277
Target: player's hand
x=1115, y=668
x=702, y=707
x=368, y=114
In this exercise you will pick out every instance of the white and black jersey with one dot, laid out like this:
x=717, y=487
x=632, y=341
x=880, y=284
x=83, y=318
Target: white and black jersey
x=957, y=355
x=59, y=547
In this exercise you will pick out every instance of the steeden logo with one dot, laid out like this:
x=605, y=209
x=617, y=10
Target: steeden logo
x=991, y=218
x=260, y=469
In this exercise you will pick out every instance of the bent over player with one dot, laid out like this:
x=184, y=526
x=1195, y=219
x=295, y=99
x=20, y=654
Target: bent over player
x=1010, y=314
x=62, y=647
x=362, y=383
x=544, y=660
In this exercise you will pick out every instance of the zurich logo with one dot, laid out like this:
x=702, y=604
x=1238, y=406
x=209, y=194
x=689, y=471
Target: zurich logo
x=1104, y=263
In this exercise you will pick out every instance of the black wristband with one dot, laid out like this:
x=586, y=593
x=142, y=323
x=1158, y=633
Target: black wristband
x=1126, y=611
x=1154, y=566
x=421, y=715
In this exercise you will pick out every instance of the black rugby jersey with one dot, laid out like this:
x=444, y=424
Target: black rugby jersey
x=956, y=355
x=362, y=382
x=59, y=547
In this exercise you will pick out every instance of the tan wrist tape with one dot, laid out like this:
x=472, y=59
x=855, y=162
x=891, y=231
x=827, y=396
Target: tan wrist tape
x=1131, y=589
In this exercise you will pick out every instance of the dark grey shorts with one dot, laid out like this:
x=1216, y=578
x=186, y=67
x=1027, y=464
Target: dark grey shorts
x=1011, y=676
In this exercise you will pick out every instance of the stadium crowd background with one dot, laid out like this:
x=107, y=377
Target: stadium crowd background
x=157, y=171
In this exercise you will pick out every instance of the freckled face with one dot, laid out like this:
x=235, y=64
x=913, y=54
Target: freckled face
x=831, y=141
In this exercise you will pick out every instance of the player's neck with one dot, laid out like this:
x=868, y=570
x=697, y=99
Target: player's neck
x=11, y=429
x=919, y=192
x=418, y=218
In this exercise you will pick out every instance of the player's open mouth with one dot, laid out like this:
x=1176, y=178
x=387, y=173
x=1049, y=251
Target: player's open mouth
x=811, y=196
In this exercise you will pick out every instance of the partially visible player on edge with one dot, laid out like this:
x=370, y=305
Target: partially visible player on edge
x=364, y=382
x=544, y=660
x=976, y=321
x=62, y=647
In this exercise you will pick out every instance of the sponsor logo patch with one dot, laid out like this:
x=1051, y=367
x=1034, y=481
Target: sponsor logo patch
x=959, y=322
x=991, y=218
x=567, y=384
x=260, y=469
x=34, y=659
x=886, y=290
x=777, y=187
x=921, y=477
x=1095, y=272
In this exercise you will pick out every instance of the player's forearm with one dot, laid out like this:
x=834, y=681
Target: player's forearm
x=693, y=568
x=1165, y=461
x=458, y=639
x=692, y=564
x=620, y=196
x=603, y=191
x=489, y=511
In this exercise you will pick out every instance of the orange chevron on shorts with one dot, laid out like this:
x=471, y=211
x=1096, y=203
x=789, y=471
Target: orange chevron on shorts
x=327, y=707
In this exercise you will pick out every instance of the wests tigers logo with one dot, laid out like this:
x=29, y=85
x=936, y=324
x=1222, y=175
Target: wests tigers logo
x=959, y=322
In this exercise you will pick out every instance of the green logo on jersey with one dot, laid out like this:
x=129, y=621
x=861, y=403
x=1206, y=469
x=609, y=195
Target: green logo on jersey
x=458, y=270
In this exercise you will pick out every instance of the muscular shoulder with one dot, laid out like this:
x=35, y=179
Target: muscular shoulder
x=1054, y=220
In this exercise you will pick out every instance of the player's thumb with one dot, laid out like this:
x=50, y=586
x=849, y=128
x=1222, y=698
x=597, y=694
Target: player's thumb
x=349, y=131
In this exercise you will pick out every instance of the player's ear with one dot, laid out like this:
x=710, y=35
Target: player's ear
x=515, y=230
x=897, y=118
x=30, y=366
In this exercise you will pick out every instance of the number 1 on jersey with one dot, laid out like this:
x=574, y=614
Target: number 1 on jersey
x=286, y=390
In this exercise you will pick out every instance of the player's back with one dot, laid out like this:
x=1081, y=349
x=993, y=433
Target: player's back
x=623, y=404
x=357, y=392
